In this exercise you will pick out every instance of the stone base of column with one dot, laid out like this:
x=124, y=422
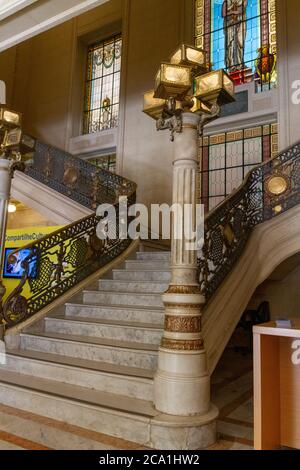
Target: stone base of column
x=182, y=382
x=181, y=385
x=184, y=433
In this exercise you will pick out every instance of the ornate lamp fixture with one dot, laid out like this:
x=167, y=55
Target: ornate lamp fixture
x=153, y=107
x=186, y=97
x=192, y=56
x=173, y=81
x=18, y=147
x=8, y=118
x=185, y=84
x=214, y=87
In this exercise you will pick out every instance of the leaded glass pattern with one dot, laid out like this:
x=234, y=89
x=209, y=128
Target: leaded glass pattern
x=102, y=91
x=239, y=36
x=227, y=158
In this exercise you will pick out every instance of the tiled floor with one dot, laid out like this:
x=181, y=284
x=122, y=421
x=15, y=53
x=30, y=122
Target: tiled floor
x=232, y=390
x=232, y=393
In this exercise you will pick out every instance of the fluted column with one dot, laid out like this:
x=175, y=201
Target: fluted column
x=182, y=384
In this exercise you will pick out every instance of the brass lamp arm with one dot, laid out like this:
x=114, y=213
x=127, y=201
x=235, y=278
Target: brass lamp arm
x=174, y=124
x=205, y=118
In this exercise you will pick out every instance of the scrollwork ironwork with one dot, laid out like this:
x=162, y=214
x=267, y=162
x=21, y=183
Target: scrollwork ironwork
x=77, y=178
x=62, y=259
x=229, y=226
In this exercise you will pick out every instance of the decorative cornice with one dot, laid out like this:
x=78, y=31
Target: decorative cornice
x=185, y=306
x=178, y=289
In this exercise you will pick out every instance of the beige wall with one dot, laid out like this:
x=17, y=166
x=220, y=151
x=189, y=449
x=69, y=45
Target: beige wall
x=284, y=295
x=45, y=81
x=26, y=217
x=41, y=74
x=155, y=29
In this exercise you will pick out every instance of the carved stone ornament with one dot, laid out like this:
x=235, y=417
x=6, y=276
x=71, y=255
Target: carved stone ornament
x=183, y=290
x=183, y=324
x=182, y=345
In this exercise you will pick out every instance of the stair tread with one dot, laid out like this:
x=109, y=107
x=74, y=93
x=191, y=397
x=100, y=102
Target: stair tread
x=96, y=341
x=77, y=393
x=117, y=281
x=166, y=252
x=130, y=324
x=155, y=260
x=96, y=291
x=143, y=270
x=82, y=363
x=118, y=306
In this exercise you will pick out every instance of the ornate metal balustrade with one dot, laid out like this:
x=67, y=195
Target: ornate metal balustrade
x=58, y=262
x=269, y=189
x=62, y=259
x=76, y=178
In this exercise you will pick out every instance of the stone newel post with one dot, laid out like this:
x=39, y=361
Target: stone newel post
x=182, y=383
x=5, y=186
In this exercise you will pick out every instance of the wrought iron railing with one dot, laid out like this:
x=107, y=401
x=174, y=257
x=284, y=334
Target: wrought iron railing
x=59, y=261
x=268, y=190
x=78, y=179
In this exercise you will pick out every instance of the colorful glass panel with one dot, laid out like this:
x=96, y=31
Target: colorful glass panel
x=102, y=91
x=227, y=158
x=239, y=36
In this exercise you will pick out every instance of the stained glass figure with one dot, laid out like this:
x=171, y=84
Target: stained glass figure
x=239, y=36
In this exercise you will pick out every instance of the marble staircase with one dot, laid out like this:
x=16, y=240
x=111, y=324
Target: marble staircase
x=92, y=363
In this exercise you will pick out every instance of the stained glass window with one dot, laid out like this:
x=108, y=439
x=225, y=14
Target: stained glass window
x=227, y=158
x=102, y=91
x=239, y=36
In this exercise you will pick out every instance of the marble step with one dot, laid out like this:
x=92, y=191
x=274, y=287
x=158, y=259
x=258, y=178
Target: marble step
x=133, y=286
x=139, y=355
x=156, y=275
x=103, y=412
x=116, y=313
x=122, y=298
x=120, y=330
x=128, y=381
x=153, y=255
x=142, y=265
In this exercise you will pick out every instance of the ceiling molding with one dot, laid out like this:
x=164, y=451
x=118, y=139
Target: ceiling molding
x=10, y=7
x=39, y=16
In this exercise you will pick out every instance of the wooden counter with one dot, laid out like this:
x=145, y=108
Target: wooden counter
x=276, y=386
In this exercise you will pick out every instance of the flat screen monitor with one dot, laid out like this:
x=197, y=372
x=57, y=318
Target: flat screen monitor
x=13, y=264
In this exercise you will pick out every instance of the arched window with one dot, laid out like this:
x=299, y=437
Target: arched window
x=239, y=36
